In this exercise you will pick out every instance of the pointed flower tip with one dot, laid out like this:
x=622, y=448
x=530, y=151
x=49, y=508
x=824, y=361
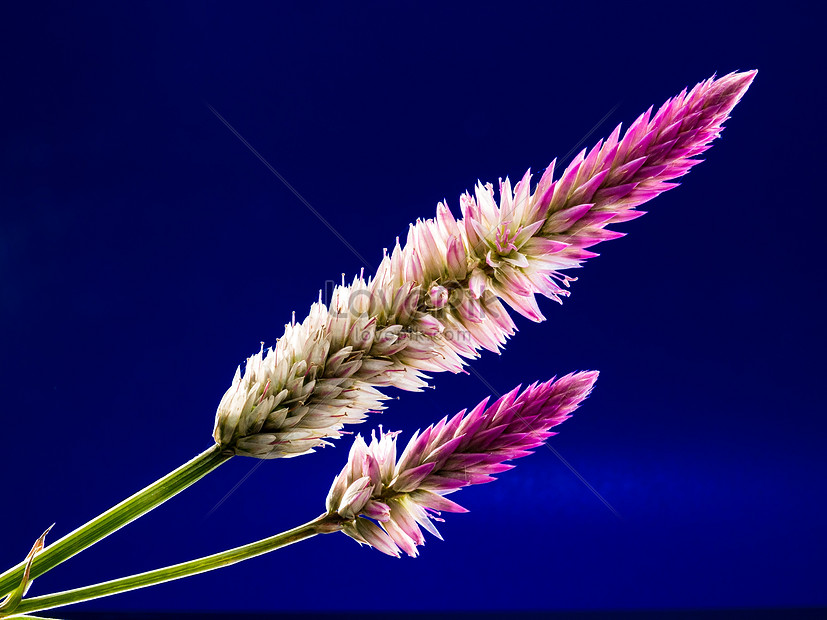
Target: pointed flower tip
x=743, y=80
x=590, y=375
x=590, y=378
x=735, y=84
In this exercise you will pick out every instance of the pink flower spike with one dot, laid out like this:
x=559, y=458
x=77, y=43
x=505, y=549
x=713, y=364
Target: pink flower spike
x=455, y=277
x=469, y=448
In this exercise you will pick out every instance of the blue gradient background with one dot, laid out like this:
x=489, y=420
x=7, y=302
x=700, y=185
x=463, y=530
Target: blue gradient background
x=145, y=252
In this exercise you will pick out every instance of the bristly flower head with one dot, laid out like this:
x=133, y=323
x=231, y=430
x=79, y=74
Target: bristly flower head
x=384, y=501
x=439, y=299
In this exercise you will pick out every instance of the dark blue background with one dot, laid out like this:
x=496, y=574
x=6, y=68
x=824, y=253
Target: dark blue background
x=145, y=252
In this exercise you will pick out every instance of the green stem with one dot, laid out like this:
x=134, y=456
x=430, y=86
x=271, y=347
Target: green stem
x=321, y=525
x=116, y=517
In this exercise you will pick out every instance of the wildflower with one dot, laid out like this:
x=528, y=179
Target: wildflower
x=384, y=501
x=436, y=301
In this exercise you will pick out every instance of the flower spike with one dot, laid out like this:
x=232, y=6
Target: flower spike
x=435, y=301
x=384, y=500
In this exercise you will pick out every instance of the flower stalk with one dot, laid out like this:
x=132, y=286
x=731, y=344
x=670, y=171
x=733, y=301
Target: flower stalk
x=321, y=525
x=116, y=517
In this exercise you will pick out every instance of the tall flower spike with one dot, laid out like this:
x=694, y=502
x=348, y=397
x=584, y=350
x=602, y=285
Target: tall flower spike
x=384, y=501
x=438, y=300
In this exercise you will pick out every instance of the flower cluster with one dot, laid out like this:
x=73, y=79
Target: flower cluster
x=383, y=501
x=440, y=298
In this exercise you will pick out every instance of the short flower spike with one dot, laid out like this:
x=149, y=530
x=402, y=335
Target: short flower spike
x=384, y=500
